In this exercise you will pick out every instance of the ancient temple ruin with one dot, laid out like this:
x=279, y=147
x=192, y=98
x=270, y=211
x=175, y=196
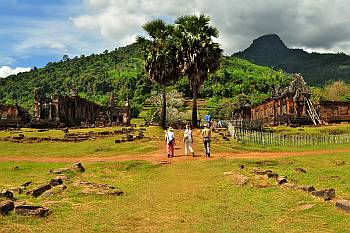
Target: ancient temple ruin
x=71, y=111
x=13, y=116
x=292, y=106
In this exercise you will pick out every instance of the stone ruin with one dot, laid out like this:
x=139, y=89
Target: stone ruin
x=55, y=186
x=13, y=116
x=72, y=111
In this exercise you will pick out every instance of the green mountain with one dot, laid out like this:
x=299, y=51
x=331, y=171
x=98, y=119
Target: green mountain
x=316, y=68
x=121, y=72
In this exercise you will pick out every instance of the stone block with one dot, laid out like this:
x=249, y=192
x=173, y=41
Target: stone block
x=300, y=170
x=59, y=170
x=325, y=194
x=6, y=207
x=55, y=190
x=40, y=190
x=272, y=175
x=31, y=210
x=7, y=194
x=343, y=204
x=78, y=167
x=307, y=189
x=56, y=181
x=281, y=180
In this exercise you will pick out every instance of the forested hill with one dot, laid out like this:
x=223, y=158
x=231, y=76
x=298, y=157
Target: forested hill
x=121, y=72
x=316, y=68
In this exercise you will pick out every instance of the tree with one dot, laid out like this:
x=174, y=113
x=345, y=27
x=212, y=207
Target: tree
x=159, y=55
x=198, y=55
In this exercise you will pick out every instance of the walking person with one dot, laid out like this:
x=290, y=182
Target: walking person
x=170, y=141
x=206, y=136
x=188, y=140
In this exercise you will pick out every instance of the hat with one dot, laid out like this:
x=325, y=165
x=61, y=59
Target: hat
x=170, y=129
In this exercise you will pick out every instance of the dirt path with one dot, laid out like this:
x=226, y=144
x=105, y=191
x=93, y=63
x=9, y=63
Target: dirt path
x=159, y=156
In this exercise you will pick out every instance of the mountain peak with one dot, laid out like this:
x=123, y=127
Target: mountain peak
x=267, y=45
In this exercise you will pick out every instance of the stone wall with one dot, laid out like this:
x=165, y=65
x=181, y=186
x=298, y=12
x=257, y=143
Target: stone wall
x=13, y=116
x=70, y=111
x=334, y=111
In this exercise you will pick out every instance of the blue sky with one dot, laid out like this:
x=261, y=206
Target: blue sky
x=35, y=32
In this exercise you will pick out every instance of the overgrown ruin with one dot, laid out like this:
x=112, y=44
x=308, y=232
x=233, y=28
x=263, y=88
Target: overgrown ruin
x=13, y=116
x=71, y=111
x=292, y=106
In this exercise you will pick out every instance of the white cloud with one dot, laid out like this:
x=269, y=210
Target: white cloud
x=91, y=26
x=6, y=71
x=315, y=24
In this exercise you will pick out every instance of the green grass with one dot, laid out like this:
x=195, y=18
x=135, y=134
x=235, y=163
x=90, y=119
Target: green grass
x=190, y=196
x=105, y=147
x=100, y=147
x=312, y=130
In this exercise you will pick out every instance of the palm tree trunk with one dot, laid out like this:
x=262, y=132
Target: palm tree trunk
x=194, y=108
x=163, y=112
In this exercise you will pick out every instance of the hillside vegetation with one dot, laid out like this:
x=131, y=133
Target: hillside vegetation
x=316, y=68
x=121, y=72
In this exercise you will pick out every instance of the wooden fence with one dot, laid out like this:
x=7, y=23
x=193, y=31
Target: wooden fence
x=267, y=138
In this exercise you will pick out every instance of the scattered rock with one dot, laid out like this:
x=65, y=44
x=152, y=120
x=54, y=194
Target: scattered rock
x=228, y=173
x=56, y=181
x=281, y=180
x=7, y=194
x=94, y=188
x=261, y=172
x=78, y=167
x=300, y=170
x=62, y=177
x=59, y=170
x=31, y=210
x=289, y=186
x=6, y=207
x=26, y=184
x=339, y=163
x=343, y=204
x=40, y=190
x=55, y=190
x=325, y=194
x=18, y=190
x=272, y=175
x=307, y=189
x=240, y=180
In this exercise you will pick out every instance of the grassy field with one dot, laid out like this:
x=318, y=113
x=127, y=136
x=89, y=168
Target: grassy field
x=312, y=130
x=192, y=196
x=105, y=147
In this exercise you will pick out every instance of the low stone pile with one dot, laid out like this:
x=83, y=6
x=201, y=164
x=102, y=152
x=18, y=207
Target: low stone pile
x=70, y=137
x=328, y=194
x=76, y=167
x=129, y=137
x=98, y=189
x=53, y=187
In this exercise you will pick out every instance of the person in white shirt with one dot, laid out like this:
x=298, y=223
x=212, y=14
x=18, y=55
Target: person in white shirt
x=188, y=140
x=170, y=141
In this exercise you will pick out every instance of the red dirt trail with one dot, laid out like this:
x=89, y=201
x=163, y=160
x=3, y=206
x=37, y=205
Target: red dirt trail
x=158, y=157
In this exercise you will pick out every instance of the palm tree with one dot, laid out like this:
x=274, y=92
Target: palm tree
x=198, y=54
x=159, y=55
